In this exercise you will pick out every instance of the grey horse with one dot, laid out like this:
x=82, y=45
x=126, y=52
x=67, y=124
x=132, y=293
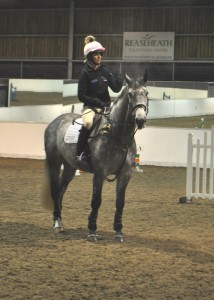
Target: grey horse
x=112, y=153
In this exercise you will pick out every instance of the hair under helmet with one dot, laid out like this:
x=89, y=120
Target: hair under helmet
x=92, y=46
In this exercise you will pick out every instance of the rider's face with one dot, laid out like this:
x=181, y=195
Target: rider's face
x=97, y=56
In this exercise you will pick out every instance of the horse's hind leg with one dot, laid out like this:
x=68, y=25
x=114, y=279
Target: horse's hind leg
x=66, y=176
x=54, y=175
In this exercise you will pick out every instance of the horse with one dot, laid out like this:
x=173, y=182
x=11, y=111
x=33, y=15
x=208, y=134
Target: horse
x=112, y=153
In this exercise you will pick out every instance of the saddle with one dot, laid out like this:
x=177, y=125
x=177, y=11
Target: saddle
x=100, y=126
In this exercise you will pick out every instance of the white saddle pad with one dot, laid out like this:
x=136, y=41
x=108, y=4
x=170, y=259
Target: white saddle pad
x=72, y=132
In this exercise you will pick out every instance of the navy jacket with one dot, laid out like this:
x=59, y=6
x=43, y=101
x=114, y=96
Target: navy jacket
x=93, y=86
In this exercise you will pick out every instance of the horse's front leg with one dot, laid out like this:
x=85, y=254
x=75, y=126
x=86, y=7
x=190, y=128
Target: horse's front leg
x=122, y=183
x=95, y=205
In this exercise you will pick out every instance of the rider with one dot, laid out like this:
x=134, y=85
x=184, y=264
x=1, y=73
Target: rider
x=93, y=88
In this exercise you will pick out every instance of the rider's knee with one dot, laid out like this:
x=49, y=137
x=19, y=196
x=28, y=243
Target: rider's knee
x=88, y=125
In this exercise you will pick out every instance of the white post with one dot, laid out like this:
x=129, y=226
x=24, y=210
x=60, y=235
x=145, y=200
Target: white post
x=204, y=182
x=197, y=171
x=211, y=163
x=189, y=168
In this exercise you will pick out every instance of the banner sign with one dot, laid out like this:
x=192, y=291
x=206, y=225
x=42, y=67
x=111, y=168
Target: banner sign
x=148, y=45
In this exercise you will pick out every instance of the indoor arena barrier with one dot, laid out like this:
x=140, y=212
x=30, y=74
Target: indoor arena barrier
x=200, y=165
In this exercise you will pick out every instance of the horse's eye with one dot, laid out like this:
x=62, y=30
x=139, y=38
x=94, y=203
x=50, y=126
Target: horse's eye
x=147, y=93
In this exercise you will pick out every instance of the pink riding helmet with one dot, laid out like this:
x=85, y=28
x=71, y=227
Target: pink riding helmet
x=93, y=47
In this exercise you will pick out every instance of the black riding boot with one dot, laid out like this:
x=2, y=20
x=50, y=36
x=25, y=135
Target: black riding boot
x=82, y=140
x=82, y=159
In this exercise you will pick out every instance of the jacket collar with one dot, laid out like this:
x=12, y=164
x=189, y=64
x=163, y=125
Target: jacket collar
x=91, y=66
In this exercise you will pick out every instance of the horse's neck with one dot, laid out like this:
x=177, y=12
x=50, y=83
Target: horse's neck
x=122, y=121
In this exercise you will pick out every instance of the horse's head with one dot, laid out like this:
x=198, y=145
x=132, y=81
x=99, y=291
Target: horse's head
x=138, y=100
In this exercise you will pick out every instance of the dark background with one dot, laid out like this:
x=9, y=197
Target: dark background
x=41, y=39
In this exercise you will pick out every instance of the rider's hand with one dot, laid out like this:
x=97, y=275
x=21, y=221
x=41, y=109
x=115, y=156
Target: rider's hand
x=119, y=77
x=98, y=103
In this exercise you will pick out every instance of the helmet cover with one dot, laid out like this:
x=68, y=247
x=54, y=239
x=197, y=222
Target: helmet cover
x=93, y=47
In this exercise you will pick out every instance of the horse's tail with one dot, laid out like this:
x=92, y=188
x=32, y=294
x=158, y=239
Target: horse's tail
x=47, y=200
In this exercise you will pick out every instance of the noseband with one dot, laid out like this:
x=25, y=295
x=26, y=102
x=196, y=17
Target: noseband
x=145, y=107
x=140, y=105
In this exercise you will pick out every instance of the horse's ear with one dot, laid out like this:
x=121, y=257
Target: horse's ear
x=145, y=77
x=127, y=78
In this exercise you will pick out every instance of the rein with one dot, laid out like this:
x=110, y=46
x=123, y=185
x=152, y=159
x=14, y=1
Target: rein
x=113, y=123
x=126, y=148
x=125, y=145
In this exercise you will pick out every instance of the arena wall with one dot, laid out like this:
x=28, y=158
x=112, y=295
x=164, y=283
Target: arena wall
x=69, y=88
x=156, y=146
x=22, y=127
x=157, y=110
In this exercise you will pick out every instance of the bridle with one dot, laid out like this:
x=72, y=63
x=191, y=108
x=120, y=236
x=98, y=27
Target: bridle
x=140, y=105
x=145, y=107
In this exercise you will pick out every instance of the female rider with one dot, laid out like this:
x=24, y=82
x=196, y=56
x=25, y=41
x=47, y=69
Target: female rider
x=93, y=88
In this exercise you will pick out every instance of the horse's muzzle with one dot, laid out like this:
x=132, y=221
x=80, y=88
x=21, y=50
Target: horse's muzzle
x=140, y=123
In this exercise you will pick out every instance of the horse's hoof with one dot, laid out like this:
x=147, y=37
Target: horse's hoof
x=92, y=237
x=58, y=229
x=58, y=226
x=119, y=237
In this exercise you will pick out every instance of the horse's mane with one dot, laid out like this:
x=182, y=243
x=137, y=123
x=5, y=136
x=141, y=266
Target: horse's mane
x=136, y=83
x=121, y=95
